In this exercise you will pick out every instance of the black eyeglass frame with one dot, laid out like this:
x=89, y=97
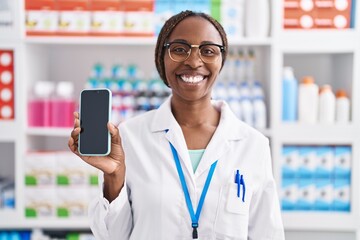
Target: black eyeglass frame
x=191, y=46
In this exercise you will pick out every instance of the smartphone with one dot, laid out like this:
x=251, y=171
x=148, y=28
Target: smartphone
x=95, y=113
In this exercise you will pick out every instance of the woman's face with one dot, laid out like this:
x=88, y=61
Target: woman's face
x=192, y=79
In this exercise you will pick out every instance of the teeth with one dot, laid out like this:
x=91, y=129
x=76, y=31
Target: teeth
x=192, y=79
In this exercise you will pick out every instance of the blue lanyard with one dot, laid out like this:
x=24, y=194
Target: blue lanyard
x=194, y=217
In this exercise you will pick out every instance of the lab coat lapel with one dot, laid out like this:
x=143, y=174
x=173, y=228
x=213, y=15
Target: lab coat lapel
x=165, y=121
x=230, y=129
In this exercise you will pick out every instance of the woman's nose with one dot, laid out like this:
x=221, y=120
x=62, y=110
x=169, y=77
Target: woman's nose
x=194, y=60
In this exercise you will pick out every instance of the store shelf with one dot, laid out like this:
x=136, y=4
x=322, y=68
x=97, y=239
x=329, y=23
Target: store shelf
x=10, y=215
x=318, y=41
x=69, y=224
x=320, y=221
x=8, y=131
x=43, y=131
x=291, y=133
x=147, y=41
x=58, y=40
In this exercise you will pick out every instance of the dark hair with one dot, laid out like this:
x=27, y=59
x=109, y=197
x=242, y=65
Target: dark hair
x=167, y=29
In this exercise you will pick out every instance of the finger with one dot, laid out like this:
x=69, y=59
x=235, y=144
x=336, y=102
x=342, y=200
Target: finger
x=76, y=115
x=72, y=145
x=76, y=123
x=75, y=133
x=114, y=132
x=76, y=119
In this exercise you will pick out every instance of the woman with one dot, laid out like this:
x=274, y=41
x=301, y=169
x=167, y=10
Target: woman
x=189, y=169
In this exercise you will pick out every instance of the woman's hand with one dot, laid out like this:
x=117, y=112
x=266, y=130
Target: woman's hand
x=113, y=165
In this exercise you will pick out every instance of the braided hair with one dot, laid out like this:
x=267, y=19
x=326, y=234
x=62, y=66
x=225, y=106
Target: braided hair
x=167, y=29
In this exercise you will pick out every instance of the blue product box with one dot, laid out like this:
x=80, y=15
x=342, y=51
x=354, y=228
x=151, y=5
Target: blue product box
x=342, y=162
x=307, y=162
x=307, y=194
x=324, y=162
x=289, y=194
x=324, y=195
x=289, y=162
x=341, y=201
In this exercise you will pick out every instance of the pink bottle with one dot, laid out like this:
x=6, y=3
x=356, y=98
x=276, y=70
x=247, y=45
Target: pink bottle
x=39, y=105
x=63, y=105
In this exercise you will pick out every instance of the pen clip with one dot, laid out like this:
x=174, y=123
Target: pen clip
x=242, y=182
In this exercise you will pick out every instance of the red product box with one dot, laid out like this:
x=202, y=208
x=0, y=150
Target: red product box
x=139, y=17
x=41, y=17
x=107, y=17
x=6, y=84
x=308, y=14
x=333, y=14
x=74, y=17
x=299, y=14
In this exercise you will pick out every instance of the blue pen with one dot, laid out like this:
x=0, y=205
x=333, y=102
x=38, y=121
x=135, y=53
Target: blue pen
x=242, y=182
x=237, y=181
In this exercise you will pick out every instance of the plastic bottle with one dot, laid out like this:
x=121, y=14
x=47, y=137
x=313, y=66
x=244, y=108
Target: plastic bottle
x=342, y=107
x=246, y=104
x=308, y=100
x=257, y=18
x=259, y=107
x=250, y=66
x=326, y=105
x=39, y=105
x=289, y=95
x=240, y=66
x=63, y=105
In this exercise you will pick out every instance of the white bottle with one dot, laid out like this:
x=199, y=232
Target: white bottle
x=308, y=100
x=246, y=104
x=326, y=105
x=259, y=107
x=342, y=107
x=257, y=18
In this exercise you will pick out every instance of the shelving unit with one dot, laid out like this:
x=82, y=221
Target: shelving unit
x=323, y=53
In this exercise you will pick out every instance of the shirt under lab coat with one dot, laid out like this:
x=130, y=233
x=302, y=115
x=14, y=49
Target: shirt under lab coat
x=152, y=204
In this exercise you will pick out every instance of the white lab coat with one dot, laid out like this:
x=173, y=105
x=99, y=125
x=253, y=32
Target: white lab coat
x=152, y=205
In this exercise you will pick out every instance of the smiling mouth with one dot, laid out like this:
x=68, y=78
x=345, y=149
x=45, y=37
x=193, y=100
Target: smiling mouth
x=192, y=79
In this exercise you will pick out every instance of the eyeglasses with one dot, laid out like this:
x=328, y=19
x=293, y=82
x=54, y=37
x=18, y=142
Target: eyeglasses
x=180, y=51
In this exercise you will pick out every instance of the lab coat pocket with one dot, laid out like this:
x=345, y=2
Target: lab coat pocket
x=233, y=213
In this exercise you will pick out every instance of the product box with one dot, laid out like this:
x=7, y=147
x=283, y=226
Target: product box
x=324, y=194
x=324, y=162
x=289, y=194
x=307, y=161
x=39, y=169
x=107, y=19
x=342, y=163
x=7, y=92
x=72, y=202
x=299, y=14
x=71, y=170
x=341, y=200
x=233, y=18
x=289, y=162
x=139, y=18
x=306, y=194
x=41, y=17
x=39, y=202
x=334, y=14
x=74, y=17
x=162, y=12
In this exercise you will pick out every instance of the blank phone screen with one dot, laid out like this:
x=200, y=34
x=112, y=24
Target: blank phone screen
x=94, y=116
